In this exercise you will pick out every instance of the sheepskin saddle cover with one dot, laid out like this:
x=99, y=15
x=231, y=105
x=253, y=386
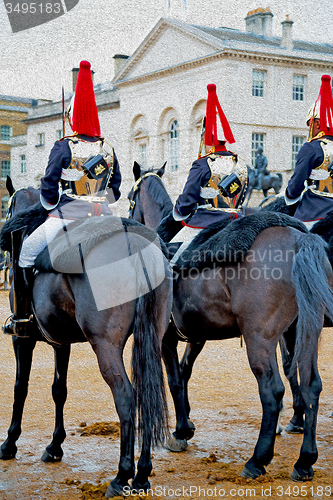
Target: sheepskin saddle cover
x=224, y=243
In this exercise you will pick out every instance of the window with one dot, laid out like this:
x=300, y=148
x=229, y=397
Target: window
x=5, y=132
x=23, y=164
x=298, y=87
x=258, y=140
x=143, y=155
x=298, y=141
x=40, y=140
x=5, y=168
x=4, y=206
x=258, y=83
x=174, y=146
x=58, y=135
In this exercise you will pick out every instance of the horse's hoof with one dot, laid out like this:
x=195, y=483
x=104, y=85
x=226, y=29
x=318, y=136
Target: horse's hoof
x=295, y=476
x=6, y=456
x=279, y=430
x=294, y=429
x=116, y=490
x=176, y=445
x=252, y=474
x=48, y=458
x=191, y=424
x=136, y=487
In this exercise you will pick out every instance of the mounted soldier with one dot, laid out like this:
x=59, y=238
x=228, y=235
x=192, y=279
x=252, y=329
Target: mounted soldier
x=311, y=185
x=81, y=179
x=260, y=167
x=217, y=175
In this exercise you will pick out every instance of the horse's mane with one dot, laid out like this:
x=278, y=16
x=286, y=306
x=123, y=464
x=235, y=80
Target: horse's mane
x=221, y=243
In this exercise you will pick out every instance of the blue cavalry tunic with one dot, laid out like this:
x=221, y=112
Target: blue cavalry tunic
x=191, y=201
x=311, y=184
x=59, y=160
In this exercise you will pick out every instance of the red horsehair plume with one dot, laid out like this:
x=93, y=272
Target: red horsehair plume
x=326, y=105
x=213, y=104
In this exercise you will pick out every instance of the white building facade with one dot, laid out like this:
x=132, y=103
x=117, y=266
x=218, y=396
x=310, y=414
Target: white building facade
x=152, y=110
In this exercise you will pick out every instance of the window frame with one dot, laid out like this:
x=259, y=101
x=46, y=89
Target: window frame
x=23, y=164
x=5, y=167
x=4, y=198
x=255, y=144
x=295, y=149
x=7, y=136
x=299, y=88
x=40, y=139
x=174, y=145
x=258, y=84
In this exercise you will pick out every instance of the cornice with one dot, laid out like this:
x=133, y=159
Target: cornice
x=277, y=59
x=153, y=37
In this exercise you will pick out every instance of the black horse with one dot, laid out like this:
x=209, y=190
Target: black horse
x=268, y=181
x=217, y=298
x=90, y=306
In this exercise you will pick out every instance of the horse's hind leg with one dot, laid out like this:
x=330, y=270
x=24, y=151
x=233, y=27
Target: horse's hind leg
x=178, y=442
x=23, y=350
x=113, y=371
x=271, y=389
x=287, y=345
x=310, y=387
x=191, y=353
x=53, y=452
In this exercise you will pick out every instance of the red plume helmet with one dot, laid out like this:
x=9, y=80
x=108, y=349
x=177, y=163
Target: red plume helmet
x=326, y=105
x=84, y=118
x=212, y=108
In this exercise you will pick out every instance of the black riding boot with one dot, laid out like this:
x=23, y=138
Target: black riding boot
x=21, y=319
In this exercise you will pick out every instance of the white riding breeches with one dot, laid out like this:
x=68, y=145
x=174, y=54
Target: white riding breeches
x=39, y=239
x=185, y=235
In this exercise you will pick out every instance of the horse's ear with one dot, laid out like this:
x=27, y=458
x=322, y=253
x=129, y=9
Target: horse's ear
x=161, y=171
x=136, y=170
x=9, y=186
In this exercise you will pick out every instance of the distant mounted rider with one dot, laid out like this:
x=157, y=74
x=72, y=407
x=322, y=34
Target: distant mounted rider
x=81, y=179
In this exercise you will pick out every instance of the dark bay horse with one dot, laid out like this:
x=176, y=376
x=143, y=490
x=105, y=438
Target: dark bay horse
x=104, y=304
x=264, y=299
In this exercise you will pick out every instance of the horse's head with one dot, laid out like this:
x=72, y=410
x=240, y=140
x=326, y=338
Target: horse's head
x=149, y=200
x=20, y=199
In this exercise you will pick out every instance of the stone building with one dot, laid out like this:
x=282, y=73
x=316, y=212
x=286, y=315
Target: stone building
x=13, y=110
x=152, y=110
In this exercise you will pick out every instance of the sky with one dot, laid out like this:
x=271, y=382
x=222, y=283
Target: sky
x=37, y=62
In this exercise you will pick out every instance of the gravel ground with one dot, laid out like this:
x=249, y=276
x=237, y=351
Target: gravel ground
x=225, y=409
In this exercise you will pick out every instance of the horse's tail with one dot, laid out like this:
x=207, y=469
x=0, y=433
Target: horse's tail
x=311, y=273
x=147, y=373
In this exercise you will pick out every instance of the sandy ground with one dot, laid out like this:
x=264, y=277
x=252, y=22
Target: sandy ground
x=225, y=408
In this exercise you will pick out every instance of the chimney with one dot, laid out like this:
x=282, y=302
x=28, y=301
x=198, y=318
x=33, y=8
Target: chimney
x=287, y=40
x=75, y=72
x=119, y=61
x=259, y=22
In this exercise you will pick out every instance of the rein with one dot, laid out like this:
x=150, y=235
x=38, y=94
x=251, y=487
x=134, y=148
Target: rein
x=135, y=189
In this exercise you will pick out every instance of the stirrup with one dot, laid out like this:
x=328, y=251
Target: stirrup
x=13, y=328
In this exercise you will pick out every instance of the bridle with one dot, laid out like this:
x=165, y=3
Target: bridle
x=135, y=190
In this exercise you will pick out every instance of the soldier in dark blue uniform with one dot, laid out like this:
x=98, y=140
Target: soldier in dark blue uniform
x=311, y=185
x=215, y=179
x=81, y=180
x=198, y=205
